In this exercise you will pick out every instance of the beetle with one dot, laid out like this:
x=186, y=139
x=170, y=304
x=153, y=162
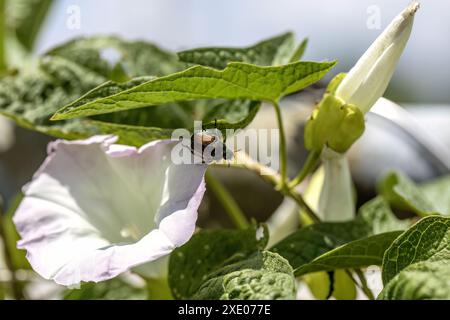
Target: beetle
x=211, y=143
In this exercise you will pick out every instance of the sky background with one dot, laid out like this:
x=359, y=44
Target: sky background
x=337, y=29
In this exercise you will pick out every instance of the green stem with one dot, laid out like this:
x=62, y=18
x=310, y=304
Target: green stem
x=311, y=162
x=302, y=204
x=2, y=37
x=16, y=287
x=283, y=157
x=244, y=161
x=364, y=287
x=158, y=289
x=227, y=201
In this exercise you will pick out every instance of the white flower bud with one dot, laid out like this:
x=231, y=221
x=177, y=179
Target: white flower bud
x=369, y=78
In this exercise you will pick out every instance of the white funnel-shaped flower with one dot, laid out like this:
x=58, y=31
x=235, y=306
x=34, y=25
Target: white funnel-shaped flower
x=96, y=209
x=369, y=78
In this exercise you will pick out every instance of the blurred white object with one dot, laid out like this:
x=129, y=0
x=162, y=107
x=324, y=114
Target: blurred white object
x=415, y=140
x=435, y=119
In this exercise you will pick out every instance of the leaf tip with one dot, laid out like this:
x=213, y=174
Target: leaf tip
x=57, y=116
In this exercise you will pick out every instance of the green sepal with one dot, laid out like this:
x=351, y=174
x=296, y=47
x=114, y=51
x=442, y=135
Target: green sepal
x=333, y=123
x=334, y=83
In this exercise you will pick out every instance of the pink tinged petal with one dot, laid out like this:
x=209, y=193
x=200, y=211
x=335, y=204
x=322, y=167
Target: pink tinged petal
x=95, y=209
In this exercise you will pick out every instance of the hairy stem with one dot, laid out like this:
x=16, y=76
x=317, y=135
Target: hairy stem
x=243, y=160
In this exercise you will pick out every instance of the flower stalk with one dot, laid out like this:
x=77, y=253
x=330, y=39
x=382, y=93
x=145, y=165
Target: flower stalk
x=311, y=162
x=283, y=157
